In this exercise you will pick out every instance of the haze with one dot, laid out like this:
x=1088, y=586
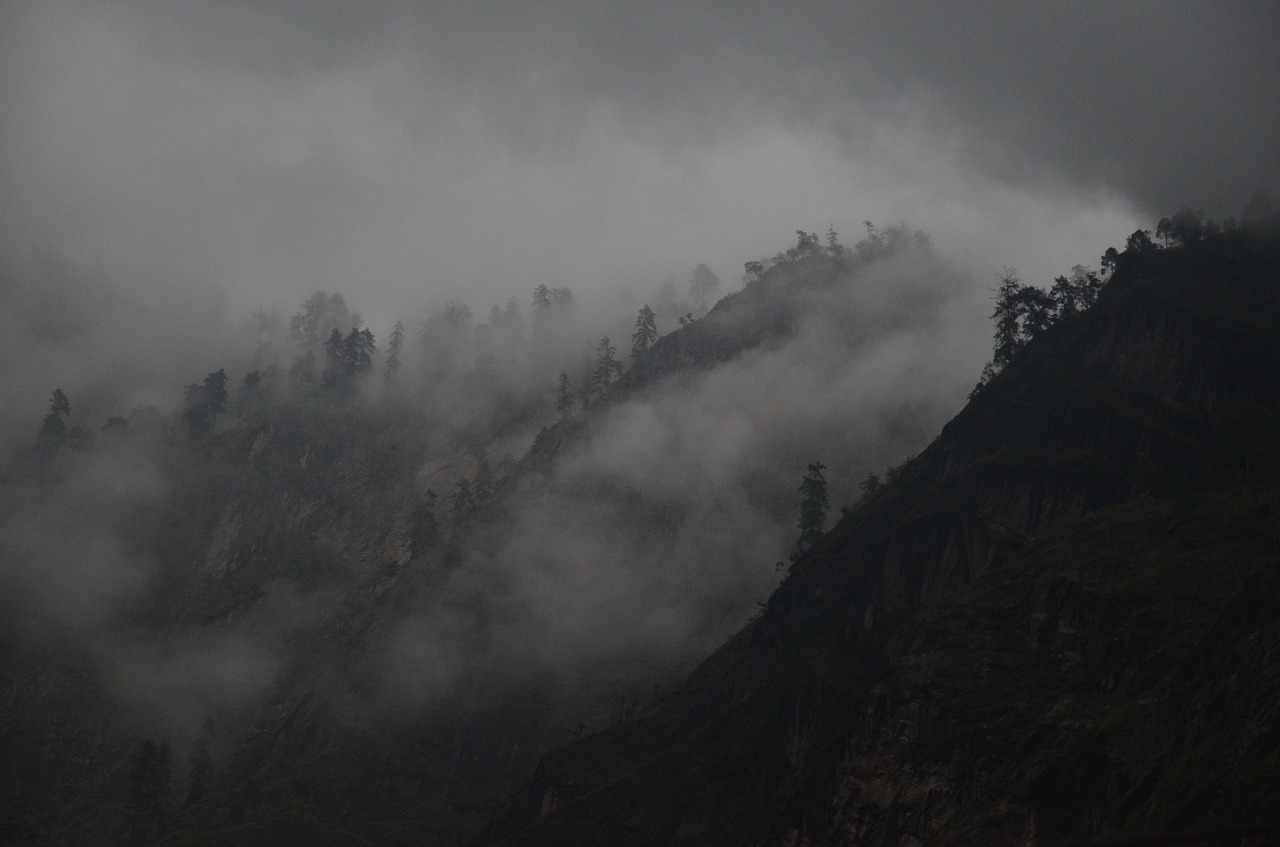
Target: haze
x=190, y=161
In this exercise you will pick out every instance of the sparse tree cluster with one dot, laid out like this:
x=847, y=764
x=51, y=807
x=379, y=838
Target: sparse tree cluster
x=1023, y=312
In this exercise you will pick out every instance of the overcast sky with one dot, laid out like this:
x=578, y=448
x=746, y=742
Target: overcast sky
x=214, y=155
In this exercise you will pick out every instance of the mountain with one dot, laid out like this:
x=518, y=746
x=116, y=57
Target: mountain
x=355, y=611
x=275, y=619
x=1058, y=622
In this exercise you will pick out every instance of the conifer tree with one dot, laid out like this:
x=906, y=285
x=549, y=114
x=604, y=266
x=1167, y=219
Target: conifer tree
x=607, y=367
x=646, y=332
x=394, y=346
x=359, y=349
x=214, y=392
x=813, y=509
x=834, y=248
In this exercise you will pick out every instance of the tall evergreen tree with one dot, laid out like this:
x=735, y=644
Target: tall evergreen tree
x=834, y=248
x=607, y=367
x=359, y=347
x=394, y=346
x=646, y=332
x=813, y=509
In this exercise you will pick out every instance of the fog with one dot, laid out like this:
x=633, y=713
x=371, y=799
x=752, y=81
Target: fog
x=654, y=537
x=168, y=168
x=184, y=153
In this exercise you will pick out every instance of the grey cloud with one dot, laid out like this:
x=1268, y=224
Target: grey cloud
x=416, y=153
x=1169, y=102
x=655, y=536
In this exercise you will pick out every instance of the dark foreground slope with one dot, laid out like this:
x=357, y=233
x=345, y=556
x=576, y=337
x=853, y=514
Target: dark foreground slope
x=1058, y=622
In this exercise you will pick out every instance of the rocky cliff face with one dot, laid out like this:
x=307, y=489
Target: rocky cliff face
x=1058, y=622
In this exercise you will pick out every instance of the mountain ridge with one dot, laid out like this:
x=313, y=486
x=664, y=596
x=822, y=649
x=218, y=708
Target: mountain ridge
x=1132, y=425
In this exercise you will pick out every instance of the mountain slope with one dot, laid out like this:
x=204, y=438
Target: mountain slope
x=1057, y=622
x=378, y=670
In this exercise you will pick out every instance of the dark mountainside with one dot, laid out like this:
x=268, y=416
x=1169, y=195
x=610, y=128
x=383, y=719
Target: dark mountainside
x=356, y=606
x=1057, y=623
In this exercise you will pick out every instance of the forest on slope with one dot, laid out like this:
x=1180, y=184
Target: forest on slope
x=348, y=589
x=349, y=592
